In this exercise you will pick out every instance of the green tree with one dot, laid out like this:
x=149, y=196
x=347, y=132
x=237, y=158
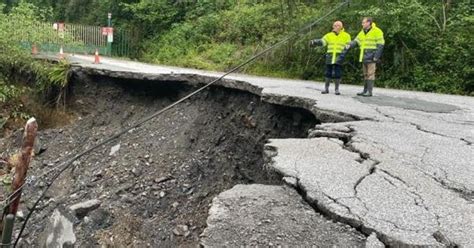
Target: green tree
x=24, y=22
x=428, y=43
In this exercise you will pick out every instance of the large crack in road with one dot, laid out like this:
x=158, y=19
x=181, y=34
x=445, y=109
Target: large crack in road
x=374, y=175
x=392, y=199
x=165, y=173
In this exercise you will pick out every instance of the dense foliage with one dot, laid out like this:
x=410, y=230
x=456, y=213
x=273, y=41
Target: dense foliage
x=429, y=43
x=20, y=74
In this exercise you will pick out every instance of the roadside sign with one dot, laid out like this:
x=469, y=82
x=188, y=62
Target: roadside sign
x=107, y=31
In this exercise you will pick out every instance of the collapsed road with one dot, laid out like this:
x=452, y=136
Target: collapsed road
x=255, y=161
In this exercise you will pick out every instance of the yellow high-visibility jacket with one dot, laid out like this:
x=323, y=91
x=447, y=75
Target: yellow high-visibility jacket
x=371, y=44
x=336, y=44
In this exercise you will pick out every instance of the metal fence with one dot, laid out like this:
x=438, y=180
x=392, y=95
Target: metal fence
x=81, y=39
x=125, y=43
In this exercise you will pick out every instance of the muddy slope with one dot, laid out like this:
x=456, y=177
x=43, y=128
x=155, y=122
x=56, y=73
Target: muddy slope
x=164, y=174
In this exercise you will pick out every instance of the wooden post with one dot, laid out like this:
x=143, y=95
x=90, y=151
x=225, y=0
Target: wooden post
x=21, y=168
x=7, y=230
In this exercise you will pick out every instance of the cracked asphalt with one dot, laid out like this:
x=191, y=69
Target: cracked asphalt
x=402, y=168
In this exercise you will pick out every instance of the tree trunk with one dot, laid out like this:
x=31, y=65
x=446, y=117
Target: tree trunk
x=448, y=4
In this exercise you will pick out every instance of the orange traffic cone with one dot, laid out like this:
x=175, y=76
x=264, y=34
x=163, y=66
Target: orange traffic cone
x=34, y=49
x=61, y=53
x=96, y=57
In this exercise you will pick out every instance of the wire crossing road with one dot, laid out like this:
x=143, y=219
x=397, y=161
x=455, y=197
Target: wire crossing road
x=399, y=164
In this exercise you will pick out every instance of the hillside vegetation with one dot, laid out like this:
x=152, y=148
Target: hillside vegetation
x=429, y=43
x=27, y=86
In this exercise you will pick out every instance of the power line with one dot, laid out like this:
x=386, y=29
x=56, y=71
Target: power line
x=67, y=164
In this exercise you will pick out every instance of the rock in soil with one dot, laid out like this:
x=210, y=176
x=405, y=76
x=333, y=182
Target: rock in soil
x=167, y=171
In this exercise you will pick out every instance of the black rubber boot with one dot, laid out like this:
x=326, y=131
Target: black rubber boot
x=370, y=86
x=336, y=88
x=365, y=89
x=326, y=86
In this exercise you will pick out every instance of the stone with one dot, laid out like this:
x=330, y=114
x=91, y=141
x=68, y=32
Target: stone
x=373, y=242
x=83, y=208
x=38, y=146
x=98, y=173
x=291, y=181
x=181, y=230
x=20, y=215
x=59, y=232
x=136, y=172
x=114, y=150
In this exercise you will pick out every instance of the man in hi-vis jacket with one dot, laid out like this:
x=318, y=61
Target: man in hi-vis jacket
x=336, y=42
x=371, y=42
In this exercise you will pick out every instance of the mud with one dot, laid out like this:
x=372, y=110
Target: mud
x=165, y=173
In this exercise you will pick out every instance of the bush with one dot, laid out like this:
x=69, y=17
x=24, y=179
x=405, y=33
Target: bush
x=422, y=52
x=20, y=74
